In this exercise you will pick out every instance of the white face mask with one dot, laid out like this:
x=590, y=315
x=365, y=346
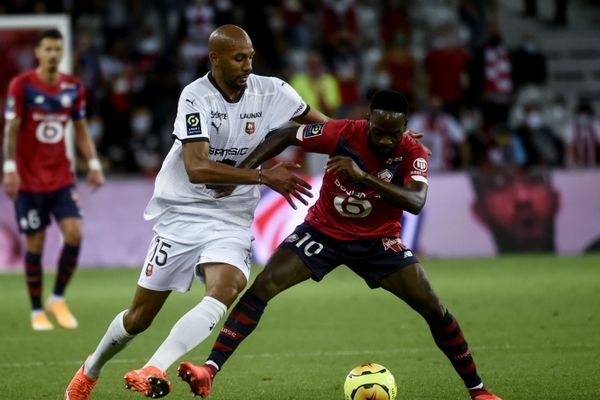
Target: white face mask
x=140, y=124
x=96, y=129
x=534, y=120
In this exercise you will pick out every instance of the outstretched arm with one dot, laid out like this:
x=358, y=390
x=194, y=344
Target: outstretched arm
x=276, y=141
x=410, y=197
x=201, y=169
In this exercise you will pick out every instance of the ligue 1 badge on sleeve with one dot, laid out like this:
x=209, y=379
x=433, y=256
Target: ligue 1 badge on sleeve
x=250, y=127
x=192, y=124
x=313, y=130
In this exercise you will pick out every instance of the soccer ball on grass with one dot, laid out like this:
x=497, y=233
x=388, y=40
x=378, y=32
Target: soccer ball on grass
x=370, y=382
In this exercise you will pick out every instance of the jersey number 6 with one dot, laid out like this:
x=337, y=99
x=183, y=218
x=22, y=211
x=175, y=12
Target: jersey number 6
x=352, y=207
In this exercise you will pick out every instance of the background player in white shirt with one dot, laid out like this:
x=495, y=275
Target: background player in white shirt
x=221, y=118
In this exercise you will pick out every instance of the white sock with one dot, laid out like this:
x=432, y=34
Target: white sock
x=55, y=297
x=188, y=332
x=115, y=339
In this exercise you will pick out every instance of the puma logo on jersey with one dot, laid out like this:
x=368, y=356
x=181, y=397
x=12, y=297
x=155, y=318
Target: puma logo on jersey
x=190, y=101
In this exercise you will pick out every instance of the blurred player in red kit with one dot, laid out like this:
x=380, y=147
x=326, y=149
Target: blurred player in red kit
x=375, y=171
x=37, y=173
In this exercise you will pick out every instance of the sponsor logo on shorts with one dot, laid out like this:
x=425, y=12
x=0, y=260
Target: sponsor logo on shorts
x=192, y=124
x=292, y=238
x=149, y=269
x=394, y=244
x=313, y=130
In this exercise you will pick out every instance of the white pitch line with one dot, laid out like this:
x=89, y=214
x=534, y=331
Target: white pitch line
x=343, y=353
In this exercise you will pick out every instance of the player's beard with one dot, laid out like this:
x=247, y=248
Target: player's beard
x=379, y=152
x=52, y=66
x=240, y=83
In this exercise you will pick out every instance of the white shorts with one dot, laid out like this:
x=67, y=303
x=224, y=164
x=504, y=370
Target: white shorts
x=170, y=265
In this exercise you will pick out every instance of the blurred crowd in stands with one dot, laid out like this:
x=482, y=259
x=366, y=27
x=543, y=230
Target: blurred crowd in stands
x=479, y=100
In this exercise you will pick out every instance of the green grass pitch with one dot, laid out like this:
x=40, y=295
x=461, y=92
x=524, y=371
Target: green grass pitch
x=533, y=324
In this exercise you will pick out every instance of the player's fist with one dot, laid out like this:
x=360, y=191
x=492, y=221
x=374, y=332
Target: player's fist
x=11, y=182
x=347, y=166
x=95, y=178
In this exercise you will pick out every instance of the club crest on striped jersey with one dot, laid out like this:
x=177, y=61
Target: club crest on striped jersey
x=385, y=175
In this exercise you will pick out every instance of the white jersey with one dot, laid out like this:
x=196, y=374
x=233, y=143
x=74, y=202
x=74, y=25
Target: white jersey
x=233, y=130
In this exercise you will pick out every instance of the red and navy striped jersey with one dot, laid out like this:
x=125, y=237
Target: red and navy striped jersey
x=349, y=210
x=45, y=110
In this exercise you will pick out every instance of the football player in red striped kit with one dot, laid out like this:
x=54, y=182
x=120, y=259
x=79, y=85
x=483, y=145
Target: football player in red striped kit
x=375, y=172
x=37, y=173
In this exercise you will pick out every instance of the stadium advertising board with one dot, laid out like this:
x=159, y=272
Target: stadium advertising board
x=465, y=216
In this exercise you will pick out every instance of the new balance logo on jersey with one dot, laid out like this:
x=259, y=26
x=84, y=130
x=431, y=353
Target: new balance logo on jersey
x=192, y=124
x=67, y=86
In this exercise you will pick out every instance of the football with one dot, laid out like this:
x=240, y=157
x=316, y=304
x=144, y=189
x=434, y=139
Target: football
x=370, y=381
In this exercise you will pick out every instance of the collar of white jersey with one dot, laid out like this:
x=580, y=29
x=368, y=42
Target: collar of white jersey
x=214, y=83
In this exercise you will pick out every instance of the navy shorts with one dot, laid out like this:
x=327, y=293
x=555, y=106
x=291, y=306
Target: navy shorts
x=34, y=208
x=371, y=259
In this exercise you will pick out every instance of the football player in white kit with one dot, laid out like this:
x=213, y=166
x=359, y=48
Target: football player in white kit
x=221, y=118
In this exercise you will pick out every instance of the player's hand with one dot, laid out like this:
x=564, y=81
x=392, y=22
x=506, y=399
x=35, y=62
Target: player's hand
x=95, y=178
x=419, y=135
x=223, y=190
x=282, y=180
x=347, y=166
x=11, y=182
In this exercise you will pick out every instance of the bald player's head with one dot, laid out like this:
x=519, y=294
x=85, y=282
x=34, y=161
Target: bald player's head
x=227, y=36
x=230, y=51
